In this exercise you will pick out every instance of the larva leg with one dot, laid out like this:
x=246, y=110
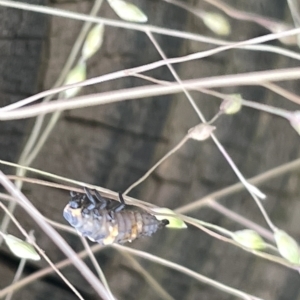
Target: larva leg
x=75, y=201
x=91, y=198
x=116, y=207
x=101, y=200
x=73, y=194
x=120, y=205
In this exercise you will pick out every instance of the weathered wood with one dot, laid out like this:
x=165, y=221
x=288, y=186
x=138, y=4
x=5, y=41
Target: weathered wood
x=22, y=42
x=113, y=145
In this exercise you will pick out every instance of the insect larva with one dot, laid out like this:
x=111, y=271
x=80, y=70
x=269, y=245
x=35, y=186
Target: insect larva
x=107, y=221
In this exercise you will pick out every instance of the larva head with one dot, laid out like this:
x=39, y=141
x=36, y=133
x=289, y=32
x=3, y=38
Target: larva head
x=73, y=210
x=77, y=200
x=73, y=216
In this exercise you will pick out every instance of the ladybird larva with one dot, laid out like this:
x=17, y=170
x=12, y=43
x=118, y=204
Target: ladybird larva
x=107, y=221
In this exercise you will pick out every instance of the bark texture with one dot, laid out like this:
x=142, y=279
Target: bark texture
x=114, y=145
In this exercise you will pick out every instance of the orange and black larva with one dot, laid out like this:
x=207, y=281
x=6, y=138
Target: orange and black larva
x=107, y=221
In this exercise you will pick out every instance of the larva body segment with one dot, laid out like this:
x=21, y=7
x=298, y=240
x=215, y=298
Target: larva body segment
x=104, y=222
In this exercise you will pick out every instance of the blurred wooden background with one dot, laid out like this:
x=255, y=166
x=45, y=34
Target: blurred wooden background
x=114, y=145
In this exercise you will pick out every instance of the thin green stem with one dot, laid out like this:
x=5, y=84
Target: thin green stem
x=97, y=267
x=57, y=239
x=41, y=252
x=254, y=78
x=188, y=272
x=149, y=278
x=147, y=174
x=44, y=272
